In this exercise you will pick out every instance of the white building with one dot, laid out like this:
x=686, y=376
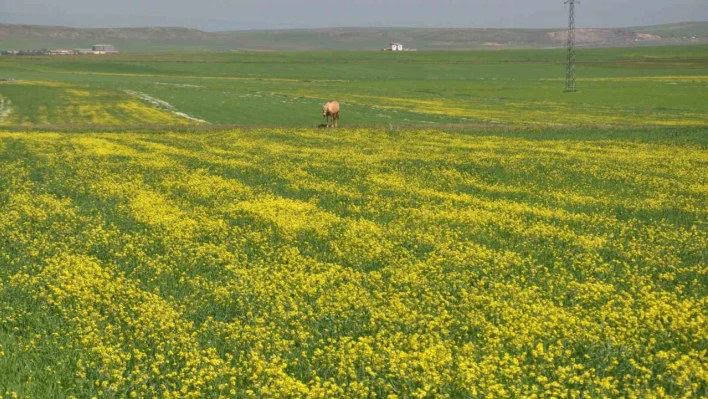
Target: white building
x=396, y=47
x=104, y=49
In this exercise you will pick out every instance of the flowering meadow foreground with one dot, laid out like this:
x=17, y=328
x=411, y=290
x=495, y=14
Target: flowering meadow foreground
x=353, y=264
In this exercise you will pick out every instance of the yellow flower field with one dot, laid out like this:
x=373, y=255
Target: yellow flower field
x=353, y=264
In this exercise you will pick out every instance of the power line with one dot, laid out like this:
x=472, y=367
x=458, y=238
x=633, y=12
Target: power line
x=570, y=66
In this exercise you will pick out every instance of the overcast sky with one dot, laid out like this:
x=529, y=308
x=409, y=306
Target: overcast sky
x=268, y=14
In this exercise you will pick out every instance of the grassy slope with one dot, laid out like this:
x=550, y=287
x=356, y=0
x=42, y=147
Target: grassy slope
x=125, y=39
x=180, y=39
x=663, y=85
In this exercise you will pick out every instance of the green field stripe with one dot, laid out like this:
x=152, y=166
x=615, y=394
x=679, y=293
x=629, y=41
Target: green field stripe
x=652, y=86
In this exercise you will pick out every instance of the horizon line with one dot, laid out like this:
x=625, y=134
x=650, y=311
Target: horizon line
x=330, y=27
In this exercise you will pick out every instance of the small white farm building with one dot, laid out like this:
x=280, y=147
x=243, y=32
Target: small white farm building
x=104, y=49
x=396, y=47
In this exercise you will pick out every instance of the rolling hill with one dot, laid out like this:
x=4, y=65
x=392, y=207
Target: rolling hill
x=182, y=39
x=681, y=30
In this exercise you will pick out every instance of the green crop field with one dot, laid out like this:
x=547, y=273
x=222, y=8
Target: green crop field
x=625, y=87
x=177, y=226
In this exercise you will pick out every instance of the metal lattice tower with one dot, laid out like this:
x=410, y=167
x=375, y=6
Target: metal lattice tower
x=570, y=67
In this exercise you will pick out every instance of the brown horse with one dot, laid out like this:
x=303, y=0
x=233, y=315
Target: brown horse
x=331, y=109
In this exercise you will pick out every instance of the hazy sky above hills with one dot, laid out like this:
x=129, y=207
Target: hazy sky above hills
x=268, y=14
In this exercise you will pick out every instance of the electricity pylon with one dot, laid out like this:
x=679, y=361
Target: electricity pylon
x=570, y=67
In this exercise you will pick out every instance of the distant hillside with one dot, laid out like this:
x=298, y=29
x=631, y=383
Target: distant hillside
x=377, y=38
x=15, y=37
x=679, y=30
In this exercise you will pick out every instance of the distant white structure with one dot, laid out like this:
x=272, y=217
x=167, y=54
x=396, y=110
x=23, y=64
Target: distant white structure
x=61, y=52
x=104, y=49
x=397, y=47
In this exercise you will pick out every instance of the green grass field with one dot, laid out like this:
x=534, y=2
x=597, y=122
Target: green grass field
x=626, y=87
x=172, y=226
